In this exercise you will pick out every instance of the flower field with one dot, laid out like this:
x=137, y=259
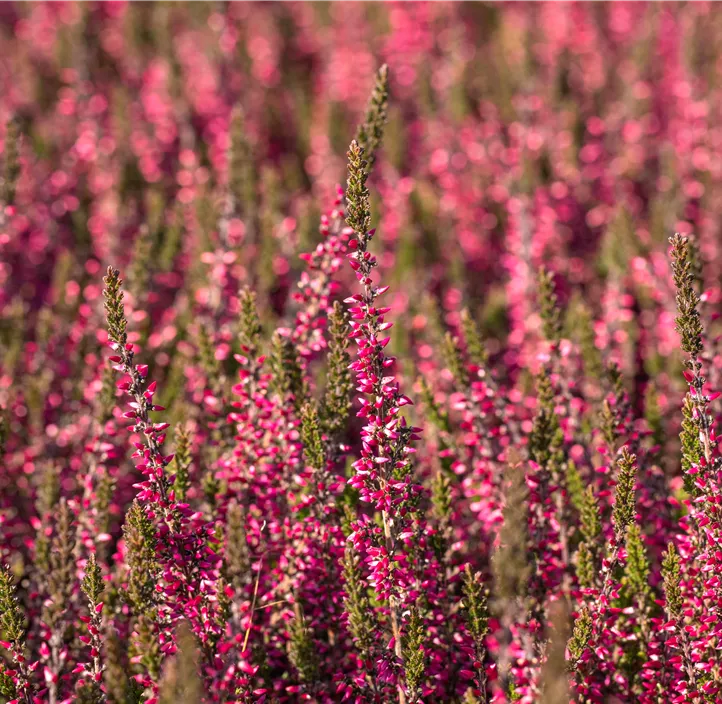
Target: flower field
x=360, y=352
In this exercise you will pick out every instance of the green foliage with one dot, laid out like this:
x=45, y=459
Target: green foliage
x=141, y=264
x=288, y=381
x=236, y=565
x=454, y=360
x=106, y=398
x=475, y=348
x=92, y=584
x=336, y=404
x=311, y=437
x=371, y=130
x=11, y=163
x=207, y=358
x=688, y=321
x=435, y=414
x=182, y=462
x=608, y=425
x=115, y=314
x=476, y=611
x=356, y=603
x=7, y=686
x=143, y=569
x=590, y=528
x=555, y=684
x=358, y=207
x=511, y=565
x=581, y=636
x=180, y=683
x=574, y=485
x=672, y=577
x=623, y=513
x=414, y=654
x=546, y=438
x=636, y=570
x=582, y=329
x=549, y=307
x=12, y=619
x=653, y=415
x=302, y=651
x=249, y=327
x=242, y=179
x=61, y=573
x=691, y=444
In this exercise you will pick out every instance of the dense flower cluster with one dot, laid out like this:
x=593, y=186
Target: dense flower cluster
x=454, y=439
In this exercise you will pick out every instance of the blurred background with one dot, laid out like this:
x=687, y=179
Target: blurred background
x=577, y=136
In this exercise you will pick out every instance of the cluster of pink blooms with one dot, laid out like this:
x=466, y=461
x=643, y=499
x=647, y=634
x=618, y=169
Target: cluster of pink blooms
x=445, y=433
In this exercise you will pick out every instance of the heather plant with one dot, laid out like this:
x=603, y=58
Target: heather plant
x=444, y=433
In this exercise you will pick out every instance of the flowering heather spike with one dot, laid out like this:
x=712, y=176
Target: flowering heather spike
x=475, y=348
x=302, y=649
x=414, y=654
x=371, y=130
x=476, y=614
x=624, y=510
x=182, y=463
x=311, y=437
x=383, y=474
x=11, y=163
x=115, y=314
x=337, y=398
x=455, y=363
x=549, y=307
x=555, y=684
